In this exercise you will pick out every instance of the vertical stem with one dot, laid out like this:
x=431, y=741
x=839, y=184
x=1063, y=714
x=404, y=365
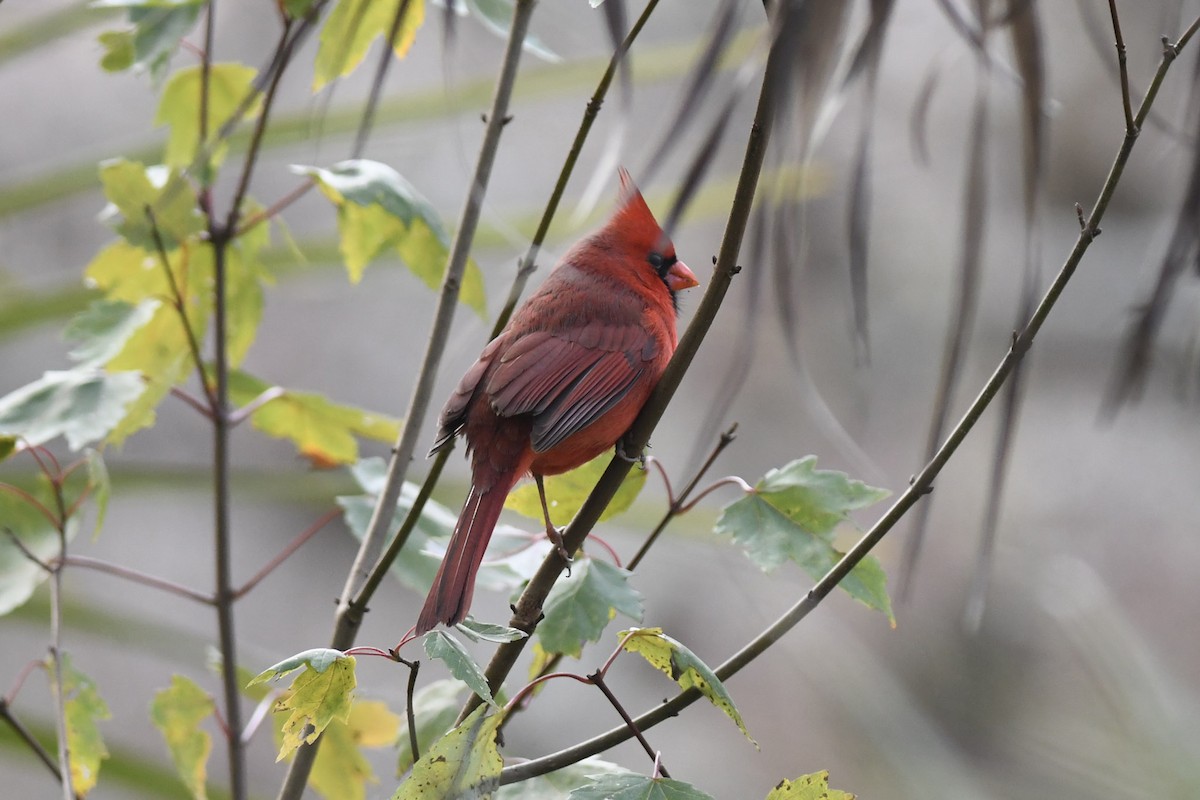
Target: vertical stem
x=60, y=711
x=224, y=594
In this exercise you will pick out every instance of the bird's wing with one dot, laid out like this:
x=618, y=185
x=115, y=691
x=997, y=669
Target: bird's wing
x=454, y=413
x=567, y=379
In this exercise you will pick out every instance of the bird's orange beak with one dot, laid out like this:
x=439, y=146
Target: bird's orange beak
x=679, y=277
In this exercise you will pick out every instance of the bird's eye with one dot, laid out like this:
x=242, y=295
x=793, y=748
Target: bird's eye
x=661, y=263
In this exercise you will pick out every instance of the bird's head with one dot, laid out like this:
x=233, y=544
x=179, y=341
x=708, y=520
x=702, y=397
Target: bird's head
x=643, y=240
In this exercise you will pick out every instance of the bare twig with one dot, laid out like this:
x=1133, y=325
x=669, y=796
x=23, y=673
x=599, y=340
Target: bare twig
x=29, y=739
x=287, y=551
x=597, y=679
x=411, y=715
x=1122, y=66
x=137, y=576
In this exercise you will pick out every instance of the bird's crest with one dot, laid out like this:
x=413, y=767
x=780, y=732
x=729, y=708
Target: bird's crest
x=634, y=218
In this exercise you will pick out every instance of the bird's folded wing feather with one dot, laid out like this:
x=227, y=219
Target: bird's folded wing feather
x=567, y=379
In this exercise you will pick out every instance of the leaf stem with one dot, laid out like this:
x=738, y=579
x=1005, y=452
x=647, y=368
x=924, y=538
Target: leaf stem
x=283, y=555
x=597, y=679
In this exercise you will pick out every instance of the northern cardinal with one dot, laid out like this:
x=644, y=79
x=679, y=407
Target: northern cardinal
x=562, y=382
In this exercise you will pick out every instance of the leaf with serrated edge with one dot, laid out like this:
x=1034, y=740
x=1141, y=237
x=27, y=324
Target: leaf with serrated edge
x=580, y=606
x=808, y=787
x=465, y=763
x=101, y=330
x=566, y=493
x=131, y=188
x=83, y=708
x=435, y=707
x=817, y=499
x=350, y=29
x=177, y=713
x=323, y=431
x=341, y=771
x=444, y=647
x=321, y=694
x=682, y=666
x=82, y=405
x=378, y=211
x=637, y=787
x=489, y=631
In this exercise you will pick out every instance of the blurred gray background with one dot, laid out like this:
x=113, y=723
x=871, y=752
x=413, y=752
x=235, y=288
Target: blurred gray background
x=1082, y=681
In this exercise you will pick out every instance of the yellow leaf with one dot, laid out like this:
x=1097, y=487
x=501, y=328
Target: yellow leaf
x=808, y=787
x=350, y=29
x=83, y=708
x=177, y=712
x=566, y=493
x=179, y=107
x=315, y=699
x=340, y=771
x=463, y=763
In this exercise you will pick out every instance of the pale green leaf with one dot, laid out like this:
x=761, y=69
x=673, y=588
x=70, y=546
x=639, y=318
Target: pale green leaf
x=132, y=188
x=637, y=787
x=101, y=330
x=444, y=647
x=323, y=432
x=817, y=499
x=489, y=632
x=581, y=605
x=99, y=484
x=179, y=107
x=558, y=784
x=464, y=763
x=435, y=707
x=379, y=211
x=808, y=787
x=82, y=405
x=177, y=712
x=158, y=26
x=682, y=666
x=83, y=709
x=566, y=493
x=350, y=29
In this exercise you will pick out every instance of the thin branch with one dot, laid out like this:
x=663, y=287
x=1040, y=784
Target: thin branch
x=410, y=713
x=271, y=211
x=189, y=399
x=137, y=576
x=180, y=302
x=385, y=60
x=677, y=506
x=921, y=484
x=1122, y=66
x=287, y=552
x=33, y=501
x=597, y=679
x=30, y=740
x=25, y=551
x=60, y=699
x=239, y=416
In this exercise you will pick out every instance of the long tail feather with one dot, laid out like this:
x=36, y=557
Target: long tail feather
x=450, y=597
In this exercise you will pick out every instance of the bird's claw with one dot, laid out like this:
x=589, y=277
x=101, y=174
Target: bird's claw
x=639, y=459
x=555, y=536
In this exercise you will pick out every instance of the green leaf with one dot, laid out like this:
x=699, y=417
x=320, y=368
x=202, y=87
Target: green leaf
x=132, y=187
x=580, y=606
x=792, y=515
x=350, y=29
x=435, y=708
x=158, y=27
x=637, y=787
x=177, y=712
x=321, y=694
x=682, y=666
x=8, y=446
x=298, y=9
x=556, y=785
x=100, y=486
x=102, y=329
x=464, y=763
x=566, y=493
x=509, y=561
x=323, y=432
x=245, y=275
x=341, y=771
x=229, y=85
x=82, y=708
x=83, y=405
x=808, y=787
x=380, y=211
x=489, y=632
x=444, y=647
x=18, y=575
x=496, y=16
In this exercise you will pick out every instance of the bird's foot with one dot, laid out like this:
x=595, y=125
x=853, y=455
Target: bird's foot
x=622, y=453
x=555, y=536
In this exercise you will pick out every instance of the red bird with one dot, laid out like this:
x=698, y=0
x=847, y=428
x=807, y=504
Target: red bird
x=562, y=382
